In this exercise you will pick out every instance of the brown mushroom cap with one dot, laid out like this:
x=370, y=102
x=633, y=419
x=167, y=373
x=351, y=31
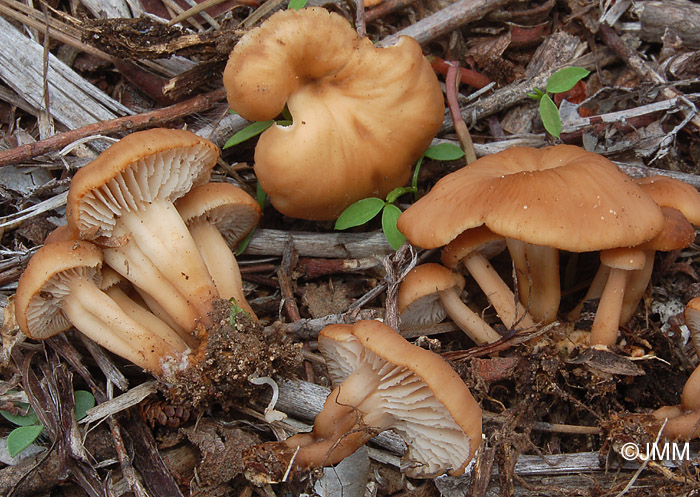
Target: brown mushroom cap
x=419, y=299
x=362, y=115
x=479, y=239
x=676, y=234
x=560, y=196
x=230, y=209
x=60, y=288
x=127, y=193
x=429, y=292
x=669, y=192
x=147, y=165
x=39, y=314
x=414, y=392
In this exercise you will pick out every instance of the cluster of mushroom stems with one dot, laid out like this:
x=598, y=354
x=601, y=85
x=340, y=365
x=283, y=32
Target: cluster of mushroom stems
x=145, y=252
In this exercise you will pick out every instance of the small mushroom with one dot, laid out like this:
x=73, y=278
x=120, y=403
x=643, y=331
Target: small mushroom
x=60, y=287
x=561, y=197
x=683, y=421
x=690, y=398
x=362, y=115
x=473, y=248
x=429, y=291
x=381, y=382
x=607, y=318
x=219, y=216
x=124, y=199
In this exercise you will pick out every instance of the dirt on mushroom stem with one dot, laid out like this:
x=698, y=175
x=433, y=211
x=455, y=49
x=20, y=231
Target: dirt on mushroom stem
x=218, y=371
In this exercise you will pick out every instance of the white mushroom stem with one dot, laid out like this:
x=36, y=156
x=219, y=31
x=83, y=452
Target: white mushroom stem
x=537, y=270
x=221, y=262
x=637, y=283
x=511, y=313
x=159, y=311
x=130, y=262
x=468, y=321
x=99, y=318
x=162, y=235
x=146, y=318
x=607, y=317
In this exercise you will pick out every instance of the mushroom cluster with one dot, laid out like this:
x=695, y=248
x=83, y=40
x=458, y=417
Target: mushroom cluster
x=537, y=202
x=362, y=115
x=130, y=270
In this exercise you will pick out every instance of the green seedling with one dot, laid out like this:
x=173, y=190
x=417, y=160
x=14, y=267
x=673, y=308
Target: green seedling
x=297, y=4
x=29, y=427
x=561, y=81
x=235, y=310
x=363, y=211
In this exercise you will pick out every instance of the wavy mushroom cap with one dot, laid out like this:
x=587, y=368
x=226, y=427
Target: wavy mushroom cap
x=419, y=395
x=144, y=166
x=560, y=196
x=362, y=115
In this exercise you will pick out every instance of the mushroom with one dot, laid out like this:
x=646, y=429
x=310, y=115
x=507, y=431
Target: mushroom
x=690, y=398
x=362, y=115
x=560, y=196
x=429, y=291
x=683, y=421
x=181, y=316
x=60, y=287
x=669, y=192
x=124, y=199
x=473, y=248
x=607, y=318
x=219, y=216
x=381, y=382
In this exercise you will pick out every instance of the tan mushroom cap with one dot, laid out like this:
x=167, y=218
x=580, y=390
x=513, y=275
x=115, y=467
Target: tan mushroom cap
x=362, y=115
x=229, y=208
x=479, y=239
x=39, y=314
x=628, y=259
x=676, y=234
x=560, y=196
x=431, y=407
x=669, y=192
x=419, y=300
x=60, y=288
x=143, y=166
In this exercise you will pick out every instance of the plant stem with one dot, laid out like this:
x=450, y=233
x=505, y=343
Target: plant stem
x=465, y=139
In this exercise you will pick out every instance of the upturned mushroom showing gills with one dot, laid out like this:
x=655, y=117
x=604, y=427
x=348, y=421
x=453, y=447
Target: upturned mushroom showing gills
x=430, y=291
x=124, y=199
x=361, y=115
x=60, y=288
x=561, y=197
x=381, y=382
x=219, y=215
